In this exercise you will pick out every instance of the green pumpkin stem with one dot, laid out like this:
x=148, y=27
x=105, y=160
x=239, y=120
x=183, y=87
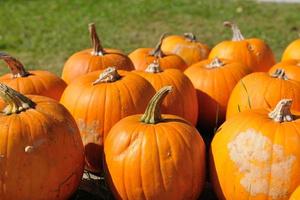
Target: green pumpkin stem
x=190, y=37
x=16, y=102
x=152, y=114
x=154, y=67
x=280, y=73
x=237, y=35
x=215, y=63
x=282, y=111
x=157, y=52
x=109, y=75
x=96, y=43
x=16, y=67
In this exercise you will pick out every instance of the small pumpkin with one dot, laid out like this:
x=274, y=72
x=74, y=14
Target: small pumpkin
x=291, y=68
x=142, y=57
x=97, y=103
x=163, y=156
x=261, y=90
x=254, y=52
x=36, y=82
x=186, y=46
x=94, y=59
x=41, y=152
x=292, y=51
x=296, y=194
x=183, y=99
x=214, y=79
x=260, y=150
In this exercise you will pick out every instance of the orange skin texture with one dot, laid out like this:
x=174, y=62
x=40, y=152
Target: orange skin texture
x=284, y=135
x=291, y=68
x=296, y=194
x=190, y=51
x=262, y=91
x=38, y=82
x=254, y=53
x=162, y=161
x=54, y=168
x=141, y=59
x=292, y=51
x=96, y=108
x=182, y=101
x=213, y=88
x=84, y=62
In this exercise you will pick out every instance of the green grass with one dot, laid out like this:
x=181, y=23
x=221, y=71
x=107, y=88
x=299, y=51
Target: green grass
x=43, y=34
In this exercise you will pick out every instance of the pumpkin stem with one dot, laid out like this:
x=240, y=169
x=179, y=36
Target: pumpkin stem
x=109, y=75
x=157, y=52
x=282, y=111
x=190, y=37
x=96, y=43
x=215, y=63
x=16, y=67
x=152, y=114
x=237, y=35
x=16, y=101
x=280, y=73
x=154, y=67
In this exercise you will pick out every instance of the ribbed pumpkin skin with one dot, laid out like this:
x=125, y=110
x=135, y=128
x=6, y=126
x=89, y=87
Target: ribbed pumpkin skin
x=162, y=161
x=84, y=62
x=291, y=68
x=254, y=53
x=182, y=101
x=262, y=91
x=141, y=59
x=296, y=194
x=190, y=51
x=292, y=51
x=213, y=88
x=261, y=156
x=37, y=83
x=53, y=169
x=96, y=108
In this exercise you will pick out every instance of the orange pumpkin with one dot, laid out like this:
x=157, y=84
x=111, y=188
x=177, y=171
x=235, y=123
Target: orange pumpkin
x=296, y=194
x=292, y=51
x=186, y=46
x=142, y=57
x=36, y=82
x=183, y=99
x=261, y=90
x=154, y=156
x=254, y=52
x=259, y=150
x=41, y=152
x=291, y=68
x=98, y=103
x=214, y=80
x=94, y=59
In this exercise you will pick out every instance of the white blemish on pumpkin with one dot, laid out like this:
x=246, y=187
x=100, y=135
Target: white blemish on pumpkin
x=1, y=156
x=265, y=166
x=29, y=149
x=90, y=132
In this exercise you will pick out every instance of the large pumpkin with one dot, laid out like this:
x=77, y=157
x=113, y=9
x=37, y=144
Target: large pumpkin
x=142, y=57
x=260, y=151
x=291, y=68
x=98, y=103
x=41, y=152
x=36, y=82
x=94, y=59
x=292, y=51
x=186, y=46
x=183, y=99
x=154, y=156
x=254, y=52
x=261, y=90
x=214, y=80
x=296, y=194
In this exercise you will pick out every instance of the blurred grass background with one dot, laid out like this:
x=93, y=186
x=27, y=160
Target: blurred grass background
x=43, y=34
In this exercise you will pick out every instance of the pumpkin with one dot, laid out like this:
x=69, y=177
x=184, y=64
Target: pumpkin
x=260, y=150
x=41, y=152
x=214, y=79
x=183, y=99
x=292, y=51
x=94, y=59
x=98, y=103
x=295, y=194
x=186, y=46
x=291, y=68
x=163, y=156
x=35, y=82
x=254, y=52
x=261, y=90
x=142, y=57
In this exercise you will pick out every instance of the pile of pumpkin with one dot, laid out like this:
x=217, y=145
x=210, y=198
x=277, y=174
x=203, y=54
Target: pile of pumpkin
x=135, y=117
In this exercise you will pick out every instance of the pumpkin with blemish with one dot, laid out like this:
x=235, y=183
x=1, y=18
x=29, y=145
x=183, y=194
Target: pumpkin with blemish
x=291, y=68
x=41, y=151
x=292, y=51
x=154, y=156
x=259, y=150
x=97, y=103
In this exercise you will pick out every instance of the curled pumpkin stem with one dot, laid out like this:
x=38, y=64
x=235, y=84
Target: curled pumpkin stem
x=190, y=37
x=157, y=52
x=96, y=43
x=282, y=111
x=109, y=75
x=280, y=73
x=154, y=67
x=215, y=63
x=237, y=35
x=16, y=67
